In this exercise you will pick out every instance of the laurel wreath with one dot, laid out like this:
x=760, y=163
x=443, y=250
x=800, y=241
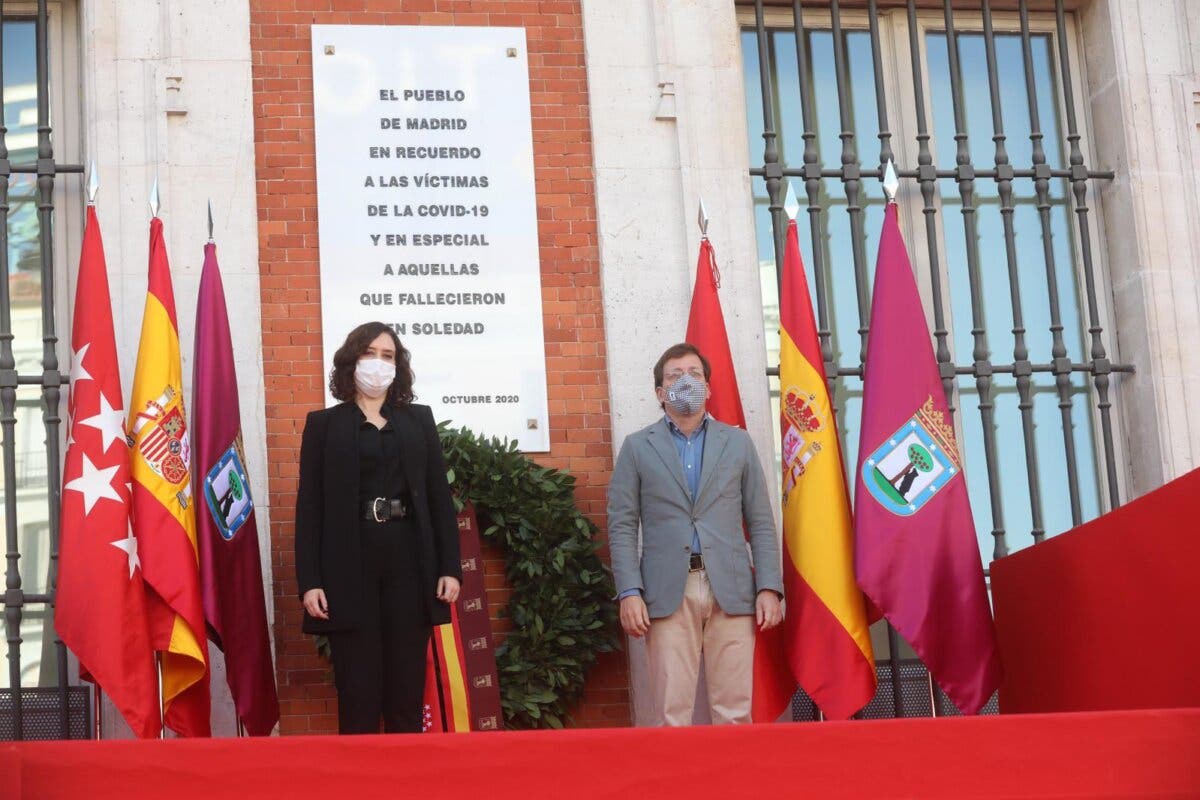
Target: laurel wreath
x=561, y=607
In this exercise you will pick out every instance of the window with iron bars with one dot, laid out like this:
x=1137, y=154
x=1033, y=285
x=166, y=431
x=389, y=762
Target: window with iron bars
x=977, y=107
x=37, y=700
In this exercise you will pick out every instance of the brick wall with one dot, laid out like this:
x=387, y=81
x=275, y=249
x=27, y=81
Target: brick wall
x=291, y=316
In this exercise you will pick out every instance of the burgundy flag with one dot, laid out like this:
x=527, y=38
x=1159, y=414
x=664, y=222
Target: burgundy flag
x=916, y=555
x=101, y=605
x=231, y=571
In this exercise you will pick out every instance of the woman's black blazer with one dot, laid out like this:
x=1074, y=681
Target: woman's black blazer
x=328, y=511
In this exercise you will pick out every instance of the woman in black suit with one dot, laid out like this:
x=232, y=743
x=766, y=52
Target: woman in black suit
x=377, y=557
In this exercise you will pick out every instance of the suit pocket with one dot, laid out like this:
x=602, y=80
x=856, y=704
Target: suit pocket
x=743, y=578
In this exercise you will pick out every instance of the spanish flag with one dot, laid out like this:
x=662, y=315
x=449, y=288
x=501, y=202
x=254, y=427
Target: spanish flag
x=447, y=705
x=826, y=636
x=164, y=520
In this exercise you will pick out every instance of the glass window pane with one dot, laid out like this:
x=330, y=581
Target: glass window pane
x=24, y=253
x=31, y=495
x=995, y=313
x=1037, y=282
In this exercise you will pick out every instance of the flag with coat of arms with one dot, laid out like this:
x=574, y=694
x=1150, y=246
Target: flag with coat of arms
x=164, y=519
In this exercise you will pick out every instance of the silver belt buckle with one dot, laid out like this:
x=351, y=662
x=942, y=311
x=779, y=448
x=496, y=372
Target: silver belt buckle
x=375, y=509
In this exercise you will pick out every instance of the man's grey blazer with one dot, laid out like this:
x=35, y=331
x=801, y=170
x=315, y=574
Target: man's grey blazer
x=648, y=485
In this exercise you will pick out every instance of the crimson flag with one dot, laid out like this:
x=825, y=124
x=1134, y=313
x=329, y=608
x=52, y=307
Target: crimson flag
x=231, y=575
x=101, y=603
x=916, y=555
x=773, y=682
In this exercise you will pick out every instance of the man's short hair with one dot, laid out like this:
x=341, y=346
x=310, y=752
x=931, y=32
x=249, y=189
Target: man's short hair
x=679, y=351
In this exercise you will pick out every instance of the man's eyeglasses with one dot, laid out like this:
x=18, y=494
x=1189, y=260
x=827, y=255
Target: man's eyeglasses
x=671, y=377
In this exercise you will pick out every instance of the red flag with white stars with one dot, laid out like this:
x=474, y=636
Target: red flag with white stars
x=101, y=603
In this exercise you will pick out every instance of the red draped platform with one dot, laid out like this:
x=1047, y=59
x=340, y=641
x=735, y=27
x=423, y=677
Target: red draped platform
x=1105, y=754
x=1103, y=617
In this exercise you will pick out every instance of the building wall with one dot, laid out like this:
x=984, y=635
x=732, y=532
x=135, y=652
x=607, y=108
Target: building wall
x=295, y=368
x=668, y=117
x=215, y=97
x=1143, y=61
x=166, y=92
x=668, y=120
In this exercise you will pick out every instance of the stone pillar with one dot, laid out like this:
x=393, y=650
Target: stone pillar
x=167, y=91
x=669, y=128
x=1143, y=84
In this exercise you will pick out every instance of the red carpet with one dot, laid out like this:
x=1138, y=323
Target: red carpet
x=1106, y=754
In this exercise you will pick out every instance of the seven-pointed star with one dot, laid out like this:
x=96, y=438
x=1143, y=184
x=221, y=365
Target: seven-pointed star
x=110, y=422
x=78, y=373
x=129, y=545
x=94, y=484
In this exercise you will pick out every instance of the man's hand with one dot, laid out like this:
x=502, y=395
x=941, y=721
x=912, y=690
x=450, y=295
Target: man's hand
x=635, y=619
x=767, y=610
x=315, y=604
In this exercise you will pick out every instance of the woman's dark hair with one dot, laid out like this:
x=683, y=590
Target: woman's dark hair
x=341, y=377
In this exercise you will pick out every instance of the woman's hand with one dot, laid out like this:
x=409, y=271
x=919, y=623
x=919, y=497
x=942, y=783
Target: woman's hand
x=315, y=604
x=447, y=589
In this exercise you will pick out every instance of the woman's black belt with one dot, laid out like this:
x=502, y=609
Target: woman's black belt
x=383, y=509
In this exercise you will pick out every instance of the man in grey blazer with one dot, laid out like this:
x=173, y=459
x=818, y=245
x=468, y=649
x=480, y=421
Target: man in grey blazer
x=692, y=483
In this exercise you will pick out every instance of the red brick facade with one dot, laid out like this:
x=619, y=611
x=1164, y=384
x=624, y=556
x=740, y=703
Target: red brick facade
x=291, y=315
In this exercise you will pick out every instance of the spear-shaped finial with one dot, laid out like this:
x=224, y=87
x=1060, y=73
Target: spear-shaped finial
x=891, y=183
x=210, y=224
x=154, y=197
x=702, y=219
x=93, y=185
x=791, y=204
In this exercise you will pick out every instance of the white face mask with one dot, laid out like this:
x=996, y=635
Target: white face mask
x=373, y=376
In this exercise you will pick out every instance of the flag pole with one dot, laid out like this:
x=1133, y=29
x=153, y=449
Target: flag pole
x=93, y=187
x=97, y=711
x=241, y=728
x=162, y=709
x=702, y=222
x=154, y=199
x=891, y=185
x=791, y=207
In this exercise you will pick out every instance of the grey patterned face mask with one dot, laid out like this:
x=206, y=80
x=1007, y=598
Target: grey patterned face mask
x=687, y=394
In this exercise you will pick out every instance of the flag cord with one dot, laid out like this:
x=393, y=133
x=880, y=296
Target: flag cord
x=712, y=263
